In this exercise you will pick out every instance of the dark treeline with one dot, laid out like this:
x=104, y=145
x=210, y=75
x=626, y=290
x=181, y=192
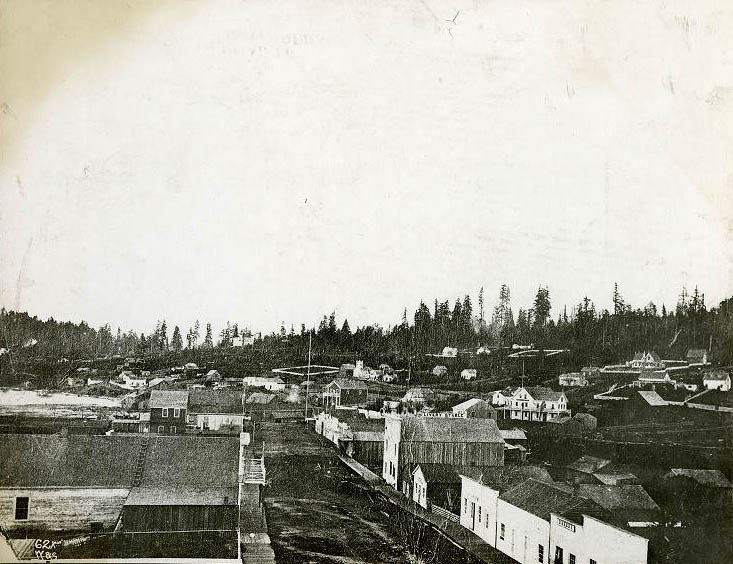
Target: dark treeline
x=592, y=336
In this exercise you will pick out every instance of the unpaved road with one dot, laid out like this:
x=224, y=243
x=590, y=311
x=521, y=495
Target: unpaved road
x=312, y=515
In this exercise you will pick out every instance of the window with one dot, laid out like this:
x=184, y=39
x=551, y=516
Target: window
x=21, y=508
x=161, y=428
x=593, y=561
x=501, y=533
x=465, y=505
x=165, y=412
x=176, y=412
x=540, y=553
x=571, y=558
x=479, y=513
x=173, y=428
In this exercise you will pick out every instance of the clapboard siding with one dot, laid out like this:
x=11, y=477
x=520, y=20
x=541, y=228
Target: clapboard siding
x=63, y=509
x=179, y=518
x=455, y=454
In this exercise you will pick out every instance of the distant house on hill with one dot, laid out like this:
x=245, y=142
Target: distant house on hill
x=417, y=395
x=573, y=379
x=362, y=372
x=538, y=404
x=168, y=411
x=468, y=373
x=347, y=370
x=456, y=441
x=697, y=356
x=502, y=397
x=440, y=370
x=450, y=352
x=590, y=372
x=474, y=407
x=648, y=360
x=345, y=392
x=716, y=380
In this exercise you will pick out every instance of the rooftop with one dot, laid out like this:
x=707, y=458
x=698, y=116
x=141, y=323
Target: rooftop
x=710, y=478
x=177, y=399
x=652, y=398
x=541, y=499
x=215, y=401
x=588, y=464
x=259, y=398
x=541, y=393
x=619, y=497
x=182, y=496
x=348, y=384
x=439, y=429
x=506, y=477
x=470, y=403
x=70, y=461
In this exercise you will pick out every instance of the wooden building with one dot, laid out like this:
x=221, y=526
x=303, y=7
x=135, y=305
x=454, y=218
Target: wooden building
x=458, y=441
x=345, y=392
x=474, y=407
x=168, y=411
x=216, y=410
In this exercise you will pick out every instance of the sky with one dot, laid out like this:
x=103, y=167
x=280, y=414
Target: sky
x=273, y=161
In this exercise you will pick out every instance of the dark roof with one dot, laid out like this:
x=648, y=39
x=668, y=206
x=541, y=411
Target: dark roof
x=619, y=497
x=347, y=384
x=588, y=464
x=259, y=397
x=210, y=461
x=696, y=354
x=182, y=496
x=455, y=430
x=168, y=398
x=721, y=375
x=440, y=473
x=506, y=477
x=541, y=393
x=70, y=461
x=215, y=401
x=710, y=478
x=541, y=499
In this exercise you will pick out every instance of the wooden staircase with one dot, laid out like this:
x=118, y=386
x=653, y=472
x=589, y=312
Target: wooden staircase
x=140, y=467
x=254, y=471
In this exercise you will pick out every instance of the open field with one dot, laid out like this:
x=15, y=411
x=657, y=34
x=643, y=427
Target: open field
x=312, y=513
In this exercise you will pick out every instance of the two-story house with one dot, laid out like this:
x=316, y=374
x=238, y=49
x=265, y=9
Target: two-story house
x=345, y=392
x=168, y=411
x=538, y=404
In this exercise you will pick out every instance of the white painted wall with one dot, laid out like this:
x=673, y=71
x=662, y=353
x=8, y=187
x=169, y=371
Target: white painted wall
x=595, y=539
x=523, y=533
x=475, y=496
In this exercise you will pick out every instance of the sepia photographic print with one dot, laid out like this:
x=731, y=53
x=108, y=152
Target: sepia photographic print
x=366, y=281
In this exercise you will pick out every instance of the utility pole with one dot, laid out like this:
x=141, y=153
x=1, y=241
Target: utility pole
x=308, y=377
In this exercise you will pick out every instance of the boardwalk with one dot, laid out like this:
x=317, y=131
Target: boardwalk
x=457, y=534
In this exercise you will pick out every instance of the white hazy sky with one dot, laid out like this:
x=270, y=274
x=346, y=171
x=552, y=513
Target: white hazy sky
x=266, y=161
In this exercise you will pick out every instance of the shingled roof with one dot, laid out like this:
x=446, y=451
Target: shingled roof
x=710, y=478
x=215, y=401
x=177, y=399
x=449, y=430
x=541, y=499
x=541, y=393
x=506, y=477
x=71, y=461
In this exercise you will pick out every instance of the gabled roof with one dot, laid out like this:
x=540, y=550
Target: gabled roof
x=207, y=461
x=513, y=434
x=588, y=464
x=710, y=478
x=652, y=398
x=348, y=384
x=464, y=405
x=450, y=430
x=716, y=375
x=439, y=473
x=215, y=401
x=541, y=393
x=70, y=461
x=502, y=478
x=619, y=497
x=259, y=398
x=541, y=499
x=168, y=398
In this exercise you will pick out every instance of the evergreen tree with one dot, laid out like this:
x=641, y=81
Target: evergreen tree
x=176, y=340
x=208, y=339
x=541, y=307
